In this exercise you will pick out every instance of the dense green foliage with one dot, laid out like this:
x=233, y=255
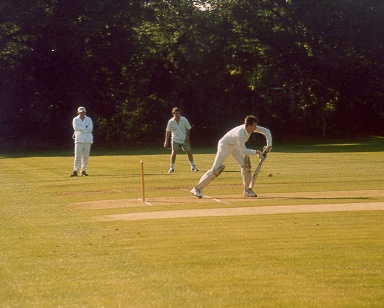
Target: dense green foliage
x=305, y=67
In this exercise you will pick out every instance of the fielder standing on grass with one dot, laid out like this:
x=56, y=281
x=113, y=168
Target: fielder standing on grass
x=83, y=127
x=233, y=143
x=179, y=128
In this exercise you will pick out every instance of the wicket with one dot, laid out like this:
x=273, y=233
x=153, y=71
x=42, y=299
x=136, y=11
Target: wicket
x=142, y=181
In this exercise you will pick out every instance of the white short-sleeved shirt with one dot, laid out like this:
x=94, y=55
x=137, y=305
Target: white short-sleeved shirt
x=238, y=136
x=178, y=130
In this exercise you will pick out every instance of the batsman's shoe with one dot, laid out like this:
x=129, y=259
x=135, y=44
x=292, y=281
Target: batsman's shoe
x=194, y=168
x=74, y=173
x=171, y=170
x=197, y=192
x=249, y=193
x=84, y=173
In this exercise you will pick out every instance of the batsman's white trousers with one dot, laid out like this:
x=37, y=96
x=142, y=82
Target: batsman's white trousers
x=82, y=151
x=224, y=151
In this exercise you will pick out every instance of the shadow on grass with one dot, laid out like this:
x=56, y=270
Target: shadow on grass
x=371, y=144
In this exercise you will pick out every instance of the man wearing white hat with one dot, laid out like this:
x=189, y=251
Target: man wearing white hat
x=83, y=127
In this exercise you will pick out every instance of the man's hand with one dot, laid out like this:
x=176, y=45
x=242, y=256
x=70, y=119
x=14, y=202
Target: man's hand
x=165, y=144
x=260, y=154
x=267, y=149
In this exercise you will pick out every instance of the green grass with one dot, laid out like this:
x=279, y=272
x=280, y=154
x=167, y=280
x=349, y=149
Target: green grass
x=54, y=254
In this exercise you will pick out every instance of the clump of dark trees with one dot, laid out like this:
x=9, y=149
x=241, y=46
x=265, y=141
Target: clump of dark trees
x=306, y=68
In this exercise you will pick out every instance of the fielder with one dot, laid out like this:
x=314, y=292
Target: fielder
x=179, y=128
x=83, y=127
x=233, y=143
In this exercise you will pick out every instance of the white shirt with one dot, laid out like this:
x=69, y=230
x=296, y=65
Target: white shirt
x=238, y=136
x=179, y=130
x=83, y=130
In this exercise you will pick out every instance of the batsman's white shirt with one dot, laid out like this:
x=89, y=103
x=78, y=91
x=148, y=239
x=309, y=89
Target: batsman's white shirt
x=238, y=136
x=178, y=130
x=83, y=130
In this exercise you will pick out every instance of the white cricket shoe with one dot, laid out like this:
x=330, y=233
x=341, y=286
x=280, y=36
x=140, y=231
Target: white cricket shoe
x=194, y=168
x=197, y=192
x=171, y=170
x=249, y=193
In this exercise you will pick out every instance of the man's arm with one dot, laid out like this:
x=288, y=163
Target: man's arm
x=78, y=125
x=267, y=133
x=240, y=144
x=167, y=135
x=187, y=136
x=89, y=126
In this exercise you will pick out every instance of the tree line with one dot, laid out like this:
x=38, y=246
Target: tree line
x=306, y=68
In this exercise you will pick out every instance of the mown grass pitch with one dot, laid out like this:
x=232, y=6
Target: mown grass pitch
x=57, y=253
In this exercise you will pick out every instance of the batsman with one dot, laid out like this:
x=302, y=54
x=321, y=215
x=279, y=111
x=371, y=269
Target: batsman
x=233, y=144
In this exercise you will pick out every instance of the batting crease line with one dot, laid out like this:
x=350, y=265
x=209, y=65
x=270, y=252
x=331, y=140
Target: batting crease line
x=146, y=202
x=217, y=200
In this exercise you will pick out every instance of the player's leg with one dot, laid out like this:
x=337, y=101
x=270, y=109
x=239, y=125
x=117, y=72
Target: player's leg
x=84, y=165
x=187, y=149
x=77, y=159
x=207, y=178
x=245, y=164
x=175, y=148
x=222, y=154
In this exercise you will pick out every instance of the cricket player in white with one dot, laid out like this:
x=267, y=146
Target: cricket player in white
x=233, y=144
x=83, y=127
x=179, y=128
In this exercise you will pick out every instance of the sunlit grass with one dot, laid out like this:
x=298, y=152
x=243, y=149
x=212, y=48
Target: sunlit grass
x=54, y=254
